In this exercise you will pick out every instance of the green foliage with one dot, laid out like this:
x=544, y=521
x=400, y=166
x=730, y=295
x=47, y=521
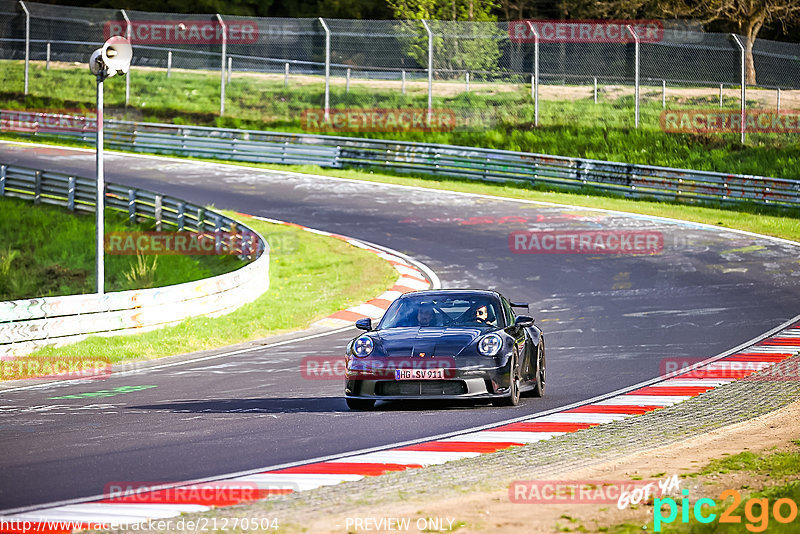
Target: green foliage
x=496, y=115
x=48, y=251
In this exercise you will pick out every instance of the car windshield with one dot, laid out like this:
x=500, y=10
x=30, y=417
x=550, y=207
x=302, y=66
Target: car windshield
x=442, y=311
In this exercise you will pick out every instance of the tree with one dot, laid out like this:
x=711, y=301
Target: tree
x=466, y=36
x=747, y=17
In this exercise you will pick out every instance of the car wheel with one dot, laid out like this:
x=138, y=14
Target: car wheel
x=360, y=404
x=513, y=384
x=541, y=372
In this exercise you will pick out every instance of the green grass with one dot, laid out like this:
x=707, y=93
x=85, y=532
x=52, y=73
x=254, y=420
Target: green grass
x=46, y=251
x=499, y=119
x=776, y=465
x=311, y=276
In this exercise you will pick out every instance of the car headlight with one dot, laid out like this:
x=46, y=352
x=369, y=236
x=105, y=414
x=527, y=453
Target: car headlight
x=490, y=345
x=362, y=347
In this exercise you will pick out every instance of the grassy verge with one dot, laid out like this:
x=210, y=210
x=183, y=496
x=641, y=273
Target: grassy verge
x=770, y=477
x=46, y=251
x=492, y=115
x=311, y=276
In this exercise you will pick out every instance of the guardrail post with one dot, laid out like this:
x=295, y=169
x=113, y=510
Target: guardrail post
x=128, y=37
x=535, y=77
x=27, y=41
x=201, y=219
x=744, y=87
x=47, y=63
x=3, y=180
x=217, y=236
x=132, y=206
x=327, y=69
x=71, y=193
x=37, y=187
x=169, y=63
x=181, y=212
x=636, y=71
x=430, y=70
x=157, y=212
x=222, y=66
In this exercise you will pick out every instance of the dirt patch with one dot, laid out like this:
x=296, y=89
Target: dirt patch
x=493, y=511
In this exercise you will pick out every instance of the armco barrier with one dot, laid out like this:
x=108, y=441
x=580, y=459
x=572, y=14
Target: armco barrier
x=636, y=181
x=28, y=324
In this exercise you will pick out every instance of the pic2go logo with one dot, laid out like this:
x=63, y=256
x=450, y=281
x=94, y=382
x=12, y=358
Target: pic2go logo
x=756, y=511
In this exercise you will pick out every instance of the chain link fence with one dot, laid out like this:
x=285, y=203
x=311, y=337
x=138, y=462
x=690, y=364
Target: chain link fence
x=479, y=73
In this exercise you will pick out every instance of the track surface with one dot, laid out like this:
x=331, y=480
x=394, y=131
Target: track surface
x=609, y=320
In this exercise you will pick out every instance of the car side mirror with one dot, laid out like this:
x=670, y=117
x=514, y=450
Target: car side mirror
x=523, y=321
x=364, y=324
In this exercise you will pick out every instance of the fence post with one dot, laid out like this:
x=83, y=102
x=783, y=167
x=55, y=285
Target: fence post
x=595, y=90
x=230, y=68
x=403, y=83
x=535, y=79
x=222, y=66
x=27, y=41
x=128, y=37
x=430, y=69
x=327, y=69
x=71, y=193
x=663, y=94
x=744, y=87
x=157, y=211
x=779, y=100
x=47, y=64
x=37, y=187
x=286, y=76
x=720, y=96
x=636, y=69
x=347, y=84
x=169, y=63
x=132, y=206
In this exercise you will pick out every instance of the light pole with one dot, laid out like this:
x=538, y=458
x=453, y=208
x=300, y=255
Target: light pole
x=113, y=58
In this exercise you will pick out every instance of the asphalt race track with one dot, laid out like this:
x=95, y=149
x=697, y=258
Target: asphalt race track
x=609, y=322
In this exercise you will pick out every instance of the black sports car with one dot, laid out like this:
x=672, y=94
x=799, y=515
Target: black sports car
x=446, y=344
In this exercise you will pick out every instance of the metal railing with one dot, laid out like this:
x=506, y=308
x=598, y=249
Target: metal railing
x=28, y=324
x=634, y=181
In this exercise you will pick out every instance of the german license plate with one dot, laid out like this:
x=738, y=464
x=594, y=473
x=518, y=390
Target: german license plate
x=419, y=374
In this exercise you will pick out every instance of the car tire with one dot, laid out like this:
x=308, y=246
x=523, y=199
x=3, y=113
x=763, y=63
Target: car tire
x=541, y=372
x=360, y=404
x=513, y=384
